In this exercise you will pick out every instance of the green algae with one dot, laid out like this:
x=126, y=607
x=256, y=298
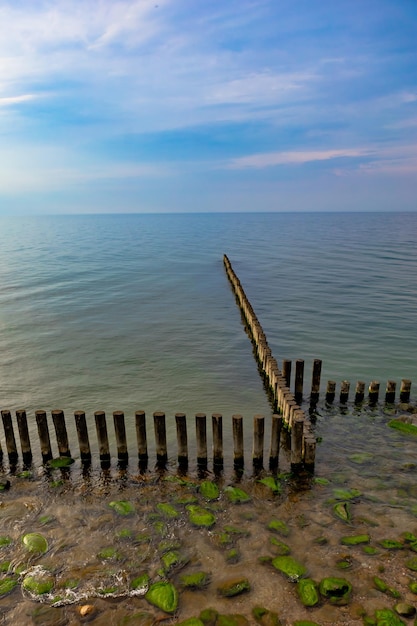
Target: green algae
x=289, y=566
x=346, y=494
x=199, y=516
x=109, y=553
x=403, y=426
x=38, y=584
x=386, y=617
x=60, y=462
x=164, y=596
x=196, y=580
x=7, y=585
x=140, y=583
x=342, y=511
x=264, y=617
x=209, y=490
x=173, y=559
x=272, y=483
x=308, y=593
x=233, y=587
x=280, y=548
x=336, y=590
x=167, y=510
x=355, y=540
x=5, y=541
x=278, y=526
x=237, y=495
x=391, y=544
x=122, y=507
x=35, y=543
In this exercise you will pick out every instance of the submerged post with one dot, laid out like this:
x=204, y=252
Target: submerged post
x=390, y=391
x=140, y=420
x=344, y=391
x=82, y=434
x=405, y=390
x=102, y=438
x=330, y=391
x=43, y=433
x=217, y=423
x=201, y=437
x=315, y=381
x=182, y=439
x=22, y=425
x=237, y=427
x=61, y=432
x=120, y=431
x=276, y=427
x=360, y=392
x=297, y=443
x=373, y=392
x=9, y=436
x=160, y=438
x=258, y=441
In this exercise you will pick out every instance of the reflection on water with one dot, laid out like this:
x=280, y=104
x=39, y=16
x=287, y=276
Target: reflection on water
x=95, y=552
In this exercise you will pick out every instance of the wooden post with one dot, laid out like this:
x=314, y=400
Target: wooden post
x=405, y=390
x=276, y=427
x=102, y=438
x=299, y=380
x=201, y=438
x=140, y=419
x=390, y=391
x=160, y=438
x=297, y=443
x=330, y=391
x=217, y=423
x=258, y=441
x=9, y=436
x=22, y=425
x=120, y=431
x=309, y=452
x=237, y=427
x=43, y=432
x=182, y=439
x=344, y=391
x=373, y=392
x=286, y=371
x=359, y=392
x=61, y=432
x=82, y=434
x=315, y=381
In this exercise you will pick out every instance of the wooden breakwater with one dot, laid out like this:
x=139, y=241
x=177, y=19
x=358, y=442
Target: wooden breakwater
x=303, y=441
x=65, y=448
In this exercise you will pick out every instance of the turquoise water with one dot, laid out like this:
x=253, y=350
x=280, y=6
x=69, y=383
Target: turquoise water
x=135, y=311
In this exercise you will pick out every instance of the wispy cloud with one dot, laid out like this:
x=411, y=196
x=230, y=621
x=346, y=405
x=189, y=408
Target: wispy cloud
x=11, y=100
x=271, y=159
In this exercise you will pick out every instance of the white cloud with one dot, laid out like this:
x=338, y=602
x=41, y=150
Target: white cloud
x=8, y=101
x=270, y=159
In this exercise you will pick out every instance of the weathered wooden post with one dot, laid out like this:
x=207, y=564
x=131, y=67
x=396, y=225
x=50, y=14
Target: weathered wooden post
x=121, y=441
x=330, y=391
x=359, y=392
x=286, y=371
x=140, y=420
x=10, y=438
x=315, y=381
x=276, y=427
x=299, y=380
x=373, y=392
x=22, y=425
x=405, y=390
x=297, y=443
x=217, y=423
x=102, y=438
x=182, y=439
x=237, y=427
x=43, y=432
x=344, y=391
x=83, y=439
x=309, y=451
x=258, y=441
x=201, y=438
x=160, y=439
x=61, y=432
x=390, y=391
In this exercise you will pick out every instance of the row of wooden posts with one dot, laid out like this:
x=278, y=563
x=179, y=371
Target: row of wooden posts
x=285, y=402
x=160, y=432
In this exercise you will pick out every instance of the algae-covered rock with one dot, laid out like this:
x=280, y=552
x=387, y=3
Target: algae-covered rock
x=386, y=617
x=164, y=596
x=342, y=511
x=200, y=517
x=272, y=483
x=233, y=587
x=196, y=580
x=109, y=553
x=371, y=550
x=209, y=490
x=173, y=559
x=405, y=610
x=237, y=495
x=38, y=583
x=405, y=424
x=5, y=541
x=60, y=462
x=336, y=590
x=354, y=540
x=35, y=543
x=308, y=591
x=346, y=494
x=289, y=566
x=140, y=584
x=209, y=617
x=412, y=563
x=167, y=510
x=412, y=585
x=278, y=526
x=391, y=544
x=7, y=585
x=264, y=617
x=280, y=548
x=122, y=507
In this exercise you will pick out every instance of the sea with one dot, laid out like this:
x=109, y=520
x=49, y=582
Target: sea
x=135, y=312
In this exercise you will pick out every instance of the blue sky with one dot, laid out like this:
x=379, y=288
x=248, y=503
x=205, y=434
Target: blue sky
x=185, y=105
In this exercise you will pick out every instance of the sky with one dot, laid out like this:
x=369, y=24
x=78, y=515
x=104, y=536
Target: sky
x=111, y=106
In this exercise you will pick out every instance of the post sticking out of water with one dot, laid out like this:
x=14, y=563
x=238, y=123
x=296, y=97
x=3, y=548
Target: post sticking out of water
x=140, y=420
x=102, y=438
x=344, y=391
x=258, y=441
x=160, y=438
x=276, y=427
x=22, y=425
x=315, y=381
x=217, y=423
x=286, y=371
x=10, y=438
x=120, y=431
x=359, y=392
x=299, y=380
x=61, y=432
x=373, y=392
x=405, y=390
x=201, y=434
x=82, y=434
x=297, y=442
x=237, y=426
x=43, y=433
x=390, y=391
x=330, y=391
x=182, y=439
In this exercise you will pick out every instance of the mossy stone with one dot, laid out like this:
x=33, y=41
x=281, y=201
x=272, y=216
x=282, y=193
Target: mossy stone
x=200, y=517
x=38, y=584
x=60, y=462
x=233, y=587
x=5, y=541
x=167, y=510
x=164, y=596
x=281, y=548
x=264, y=617
x=173, y=559
x=35, y=543
x=237, y=495
x=355, y=540
x=321, y=481
x=405, y=610
x=403, y=426
x=346, y=494
x=391, y=544
x=209, y=490
x=196, y=580
x=412, y=563
x=369, y=550
x=272, y=483
x=342, y=511
x=386, y=617
x=122, y=507
x=209, y=617
x=233, y=555
x=308, y=591
x=140, y=583
x=7, y=585
x=289, y=566
x=336, y=590
x=109, y=553
x=278, y=526
x=412, y=585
